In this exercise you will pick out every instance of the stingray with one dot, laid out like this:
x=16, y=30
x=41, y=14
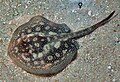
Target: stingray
x=45, y=48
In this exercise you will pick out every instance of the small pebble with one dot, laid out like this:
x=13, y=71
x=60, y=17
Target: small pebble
x=90, y=13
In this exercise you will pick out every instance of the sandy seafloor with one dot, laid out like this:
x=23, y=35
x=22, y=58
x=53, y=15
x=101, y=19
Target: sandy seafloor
x=99, y=54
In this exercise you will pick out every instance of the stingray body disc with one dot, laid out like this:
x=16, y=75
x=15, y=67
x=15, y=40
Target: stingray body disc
x=36, y=54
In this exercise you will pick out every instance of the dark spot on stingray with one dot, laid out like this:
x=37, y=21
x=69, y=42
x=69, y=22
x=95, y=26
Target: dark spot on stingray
x=44, y=48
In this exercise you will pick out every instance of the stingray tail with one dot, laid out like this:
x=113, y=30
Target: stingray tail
x=84, y=32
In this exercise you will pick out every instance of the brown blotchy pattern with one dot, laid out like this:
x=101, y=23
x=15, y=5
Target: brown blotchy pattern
x=45, y=48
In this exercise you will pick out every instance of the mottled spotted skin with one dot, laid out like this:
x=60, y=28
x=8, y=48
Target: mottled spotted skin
x=45, y=48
